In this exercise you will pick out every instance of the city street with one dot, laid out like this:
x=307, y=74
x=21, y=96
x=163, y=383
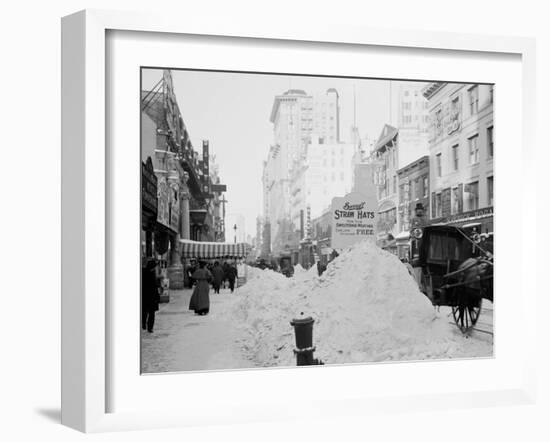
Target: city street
x=250, y=328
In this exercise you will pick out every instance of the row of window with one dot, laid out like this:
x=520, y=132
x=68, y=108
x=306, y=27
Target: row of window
x=417, y=189
x=462, y=199
x=407, y=119
x=473, y=152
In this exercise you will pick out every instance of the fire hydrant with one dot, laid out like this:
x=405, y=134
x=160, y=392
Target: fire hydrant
x=303, y=330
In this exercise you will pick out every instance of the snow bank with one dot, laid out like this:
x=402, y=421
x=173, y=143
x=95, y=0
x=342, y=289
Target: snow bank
x=366, y=308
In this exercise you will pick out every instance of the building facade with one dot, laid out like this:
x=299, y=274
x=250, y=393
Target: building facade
x=187, y=194
x=414, y=190
x=461, y=154
x=298, y=121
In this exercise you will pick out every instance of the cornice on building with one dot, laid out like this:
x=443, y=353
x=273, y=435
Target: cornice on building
x=431, y=88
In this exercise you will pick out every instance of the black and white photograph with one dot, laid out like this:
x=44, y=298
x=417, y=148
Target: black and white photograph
x=297, y=220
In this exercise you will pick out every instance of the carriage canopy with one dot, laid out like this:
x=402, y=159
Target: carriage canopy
x=213, y=250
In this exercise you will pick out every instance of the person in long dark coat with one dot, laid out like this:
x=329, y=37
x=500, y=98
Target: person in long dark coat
x=200, y=299
x=150, y=296
x=217, y=275
x=231, y=276
x=225, y=268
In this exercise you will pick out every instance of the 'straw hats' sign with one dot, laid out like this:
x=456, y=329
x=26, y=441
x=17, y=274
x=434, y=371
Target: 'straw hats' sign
x=354, y=219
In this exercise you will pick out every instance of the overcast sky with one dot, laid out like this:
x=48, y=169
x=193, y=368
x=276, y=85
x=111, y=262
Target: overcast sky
x=232, y=111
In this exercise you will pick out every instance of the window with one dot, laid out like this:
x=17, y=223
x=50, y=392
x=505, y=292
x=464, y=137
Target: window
x=407, y=106
x=417, y=188
x=454, y=200
x=473, y=95
x=474, y=150
x=425, y=180
x=438, y=208
x=454, y=104
x=438, y=164
x=490, y=191
x=490, y=144
x=455, y=156
x=394, y=184
x=407, y=119
x=471, y=196
x=341, y=176
x=491, y=88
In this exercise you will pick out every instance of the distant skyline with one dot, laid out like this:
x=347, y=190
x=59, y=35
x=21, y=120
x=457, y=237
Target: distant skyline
x=232, y=111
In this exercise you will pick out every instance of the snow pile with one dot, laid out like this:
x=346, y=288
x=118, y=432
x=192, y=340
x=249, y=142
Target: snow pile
x=298, y=269
x=366, y=308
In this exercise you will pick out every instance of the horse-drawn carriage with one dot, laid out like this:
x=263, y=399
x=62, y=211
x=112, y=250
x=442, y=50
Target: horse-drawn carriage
x=453, y=267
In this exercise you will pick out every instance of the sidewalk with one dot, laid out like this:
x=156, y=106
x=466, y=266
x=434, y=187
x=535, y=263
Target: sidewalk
x=183, y=341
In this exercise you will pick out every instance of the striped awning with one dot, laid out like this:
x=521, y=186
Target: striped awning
x=212, y=250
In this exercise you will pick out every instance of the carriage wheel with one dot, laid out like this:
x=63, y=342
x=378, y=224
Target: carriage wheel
x=466, y=316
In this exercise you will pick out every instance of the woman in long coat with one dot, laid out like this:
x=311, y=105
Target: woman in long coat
x=200, y=299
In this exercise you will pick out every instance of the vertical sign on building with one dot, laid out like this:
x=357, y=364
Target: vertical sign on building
x=205, y=165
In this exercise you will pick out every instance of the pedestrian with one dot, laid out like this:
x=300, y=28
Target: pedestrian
x=321, y=268
x=225, y=268
x=231, y=276
x=150, y=297
x=190, y=270
x=200, y=299
x=217, y=277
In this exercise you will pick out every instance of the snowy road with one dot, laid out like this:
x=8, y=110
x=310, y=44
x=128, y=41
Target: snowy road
x=183, y=341
x=366, y=307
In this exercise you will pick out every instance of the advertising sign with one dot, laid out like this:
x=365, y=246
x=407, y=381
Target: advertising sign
x=354, y=219
x=148, y=187
x=163, y=214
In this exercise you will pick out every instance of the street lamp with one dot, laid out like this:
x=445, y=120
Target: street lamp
x=235, y=229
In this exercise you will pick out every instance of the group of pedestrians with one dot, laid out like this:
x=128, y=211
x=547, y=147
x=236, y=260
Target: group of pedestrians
x=202, y=277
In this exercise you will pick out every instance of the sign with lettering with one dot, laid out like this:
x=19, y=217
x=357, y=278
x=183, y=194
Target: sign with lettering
x=353, y=219
x=148, y=188
x=163, y=197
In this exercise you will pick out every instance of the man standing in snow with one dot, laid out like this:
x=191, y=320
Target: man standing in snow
x=218, y=275
x=231, y=276
x=150, y=297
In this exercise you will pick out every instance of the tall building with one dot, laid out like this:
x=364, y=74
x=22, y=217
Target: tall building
x=298, y=118
x=461, y=144
x=328, y=173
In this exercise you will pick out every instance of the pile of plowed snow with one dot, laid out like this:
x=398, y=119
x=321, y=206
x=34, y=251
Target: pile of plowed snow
x=366, y=308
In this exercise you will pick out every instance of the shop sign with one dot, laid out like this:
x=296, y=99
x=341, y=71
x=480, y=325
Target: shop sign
x=163, y=214
x=354, y=219
x=148, y=187
x=219, y=188
x=471, y=215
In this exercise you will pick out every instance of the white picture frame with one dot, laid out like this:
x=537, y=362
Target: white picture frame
x=85, y=260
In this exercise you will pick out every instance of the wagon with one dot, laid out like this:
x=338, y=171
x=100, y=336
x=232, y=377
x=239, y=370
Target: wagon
x=453, y=267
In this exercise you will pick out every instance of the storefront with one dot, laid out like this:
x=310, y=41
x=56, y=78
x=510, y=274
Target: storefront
x=149, y=207
x=481, y=220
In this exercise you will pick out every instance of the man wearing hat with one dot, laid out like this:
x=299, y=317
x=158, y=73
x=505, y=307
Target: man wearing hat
x=419, y=219
x=417, y=222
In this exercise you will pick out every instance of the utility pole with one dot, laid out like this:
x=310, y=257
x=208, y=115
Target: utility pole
x=222, y=227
